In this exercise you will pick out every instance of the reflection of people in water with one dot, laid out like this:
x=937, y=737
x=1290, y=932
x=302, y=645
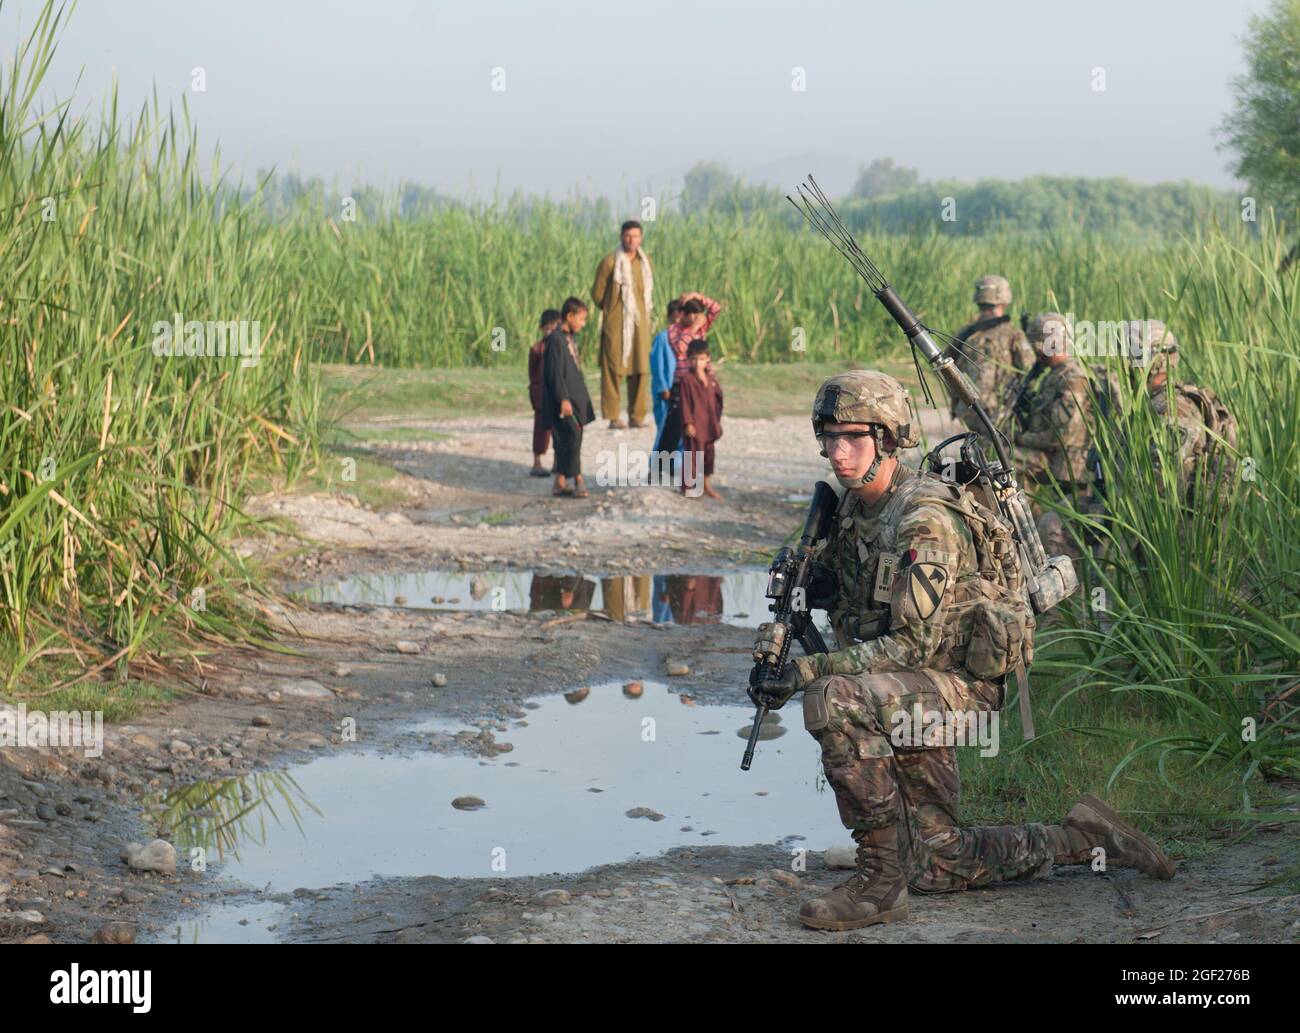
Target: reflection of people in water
x=560, y=592
x=663, y=612
x=693, y=599
x=626, y=595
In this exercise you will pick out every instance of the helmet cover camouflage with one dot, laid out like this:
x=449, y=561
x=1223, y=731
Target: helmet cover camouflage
x=1050, y=333
x=992, y=290
x=1151, y=344
x=866, y=396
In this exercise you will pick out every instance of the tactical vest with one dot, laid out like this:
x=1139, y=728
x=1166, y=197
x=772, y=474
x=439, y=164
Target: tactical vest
x=988, y=628
x=1221, y=423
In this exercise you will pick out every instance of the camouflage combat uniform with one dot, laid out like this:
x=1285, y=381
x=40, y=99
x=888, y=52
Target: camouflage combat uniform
x=992, y=352
x=1055, y=442
x=902, y=642
x=1204, y=430
x=1184, y=409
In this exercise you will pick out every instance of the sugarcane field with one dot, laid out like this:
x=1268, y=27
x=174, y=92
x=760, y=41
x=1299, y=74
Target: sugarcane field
x=445, y=501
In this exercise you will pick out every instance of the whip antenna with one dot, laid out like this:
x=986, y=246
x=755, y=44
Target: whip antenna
x=1049, y=579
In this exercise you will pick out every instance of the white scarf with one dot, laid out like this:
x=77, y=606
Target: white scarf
x=623, y=277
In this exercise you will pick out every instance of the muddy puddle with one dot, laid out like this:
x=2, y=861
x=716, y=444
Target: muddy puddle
x=558, y=801
x=733, y=598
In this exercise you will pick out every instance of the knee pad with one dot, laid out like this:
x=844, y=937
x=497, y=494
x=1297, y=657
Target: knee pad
x=816, y=711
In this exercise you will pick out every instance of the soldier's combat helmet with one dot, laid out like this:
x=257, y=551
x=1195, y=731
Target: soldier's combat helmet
x=871, y=397
x=1050, y=333
x=1151, y=344
x=992, y=290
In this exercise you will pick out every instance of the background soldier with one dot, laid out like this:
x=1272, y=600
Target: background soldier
x=904, y=576
x=991, y=352
x=1206, y=430
x=1055, y=443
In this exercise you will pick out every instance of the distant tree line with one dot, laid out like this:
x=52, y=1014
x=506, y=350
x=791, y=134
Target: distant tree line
x=885, y=198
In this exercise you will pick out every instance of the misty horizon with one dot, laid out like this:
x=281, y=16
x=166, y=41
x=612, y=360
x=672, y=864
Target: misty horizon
x=503, y=99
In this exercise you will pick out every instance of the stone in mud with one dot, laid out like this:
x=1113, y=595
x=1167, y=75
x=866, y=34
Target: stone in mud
x=439, y=680
x=768, y=730
x=552, y=898
x=407, y=648
x=480, y=939
x=399, y=600
x=179, y=748
x=21, y=918
x=304, y=688
x=677, y=669
x=478, y=587
x=341, y=670
x=577, y=695
x=45, y=812
x=645, y=812
x=633, y=689
x=841, y=857
x=261, y=721
x=38, y=938
x=468, y=803
x=114, y=932
x=158, y=856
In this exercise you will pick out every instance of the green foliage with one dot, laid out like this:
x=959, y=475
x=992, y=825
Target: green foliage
x=883, y=177
x=120, y=469
x=1046, y=204
x=1264, y=126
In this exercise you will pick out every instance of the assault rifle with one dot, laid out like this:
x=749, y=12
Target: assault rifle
x=1048, y=579
x=787, y=586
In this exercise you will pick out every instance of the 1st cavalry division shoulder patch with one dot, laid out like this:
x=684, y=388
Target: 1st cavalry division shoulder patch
x=925, y=585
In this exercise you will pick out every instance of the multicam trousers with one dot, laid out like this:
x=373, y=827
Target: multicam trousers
x=916, y=786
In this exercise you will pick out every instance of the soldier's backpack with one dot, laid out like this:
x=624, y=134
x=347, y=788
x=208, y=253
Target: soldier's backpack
x=991, y=624
x=1220, y=422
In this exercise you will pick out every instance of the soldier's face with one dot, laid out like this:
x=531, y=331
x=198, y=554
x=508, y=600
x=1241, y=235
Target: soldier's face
x=850, y=447
x=631, y=240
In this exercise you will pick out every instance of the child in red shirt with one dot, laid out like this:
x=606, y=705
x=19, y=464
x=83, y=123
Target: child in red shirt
x=701, y=402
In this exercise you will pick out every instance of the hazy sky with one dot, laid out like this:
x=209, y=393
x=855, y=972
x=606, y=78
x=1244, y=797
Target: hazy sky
x=613, y=96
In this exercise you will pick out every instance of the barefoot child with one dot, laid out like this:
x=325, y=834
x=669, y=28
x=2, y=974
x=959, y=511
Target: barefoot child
x=701, y=402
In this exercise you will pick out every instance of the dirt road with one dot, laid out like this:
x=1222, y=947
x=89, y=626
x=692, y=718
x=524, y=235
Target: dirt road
x=302, y=779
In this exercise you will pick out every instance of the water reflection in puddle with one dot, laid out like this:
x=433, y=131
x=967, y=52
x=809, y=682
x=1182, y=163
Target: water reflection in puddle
x=557, y=802
x=736, y=598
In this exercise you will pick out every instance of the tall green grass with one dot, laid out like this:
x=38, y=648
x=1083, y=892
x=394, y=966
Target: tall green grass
x=121, y=471
x=1194, y=611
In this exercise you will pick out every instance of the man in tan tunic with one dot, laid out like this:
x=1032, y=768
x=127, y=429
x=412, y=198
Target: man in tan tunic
x=623, y=292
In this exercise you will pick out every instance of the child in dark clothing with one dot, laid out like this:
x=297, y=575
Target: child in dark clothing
x=541, y=425
x=701, y=403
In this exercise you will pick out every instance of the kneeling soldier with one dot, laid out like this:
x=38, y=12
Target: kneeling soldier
x=925, y=596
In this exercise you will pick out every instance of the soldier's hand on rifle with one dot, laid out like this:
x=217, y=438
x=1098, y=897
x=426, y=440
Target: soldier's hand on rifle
x=775, y=693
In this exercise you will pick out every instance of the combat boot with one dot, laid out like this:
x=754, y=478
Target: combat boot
x=876, y=892
x=1090, y=824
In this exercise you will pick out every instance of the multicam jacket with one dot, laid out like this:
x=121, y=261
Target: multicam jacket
x=902, y=565
x=1214, y=438
x=991, y=356
x=1059, y=411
